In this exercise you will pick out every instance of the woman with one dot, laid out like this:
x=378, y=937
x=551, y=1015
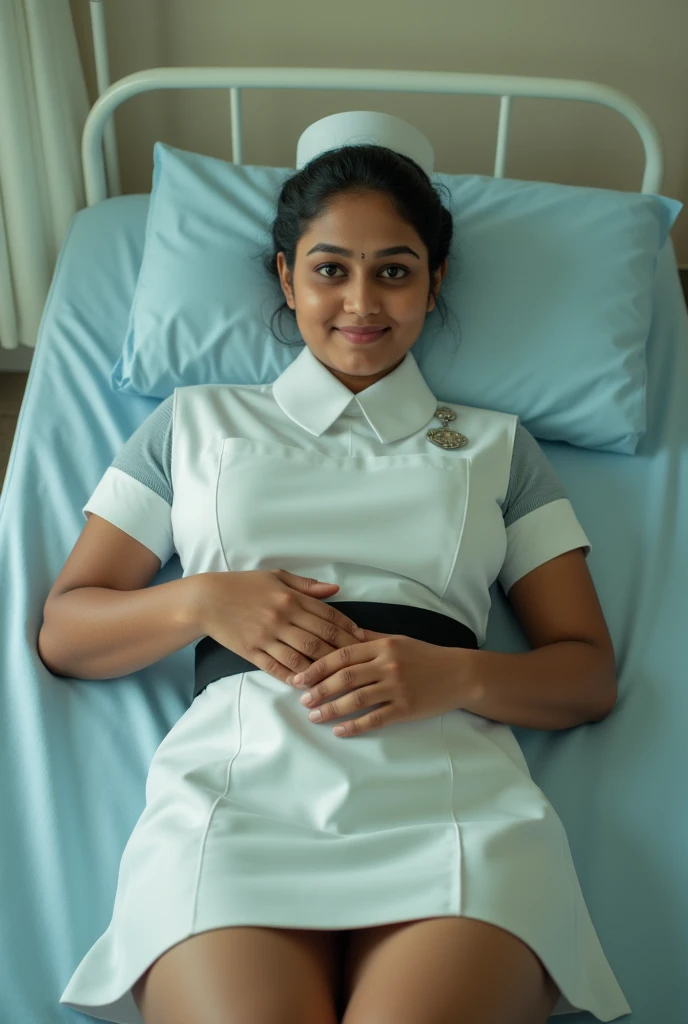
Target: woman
x=408, y=870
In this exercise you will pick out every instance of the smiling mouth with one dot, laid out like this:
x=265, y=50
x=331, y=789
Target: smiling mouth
x=362, y=339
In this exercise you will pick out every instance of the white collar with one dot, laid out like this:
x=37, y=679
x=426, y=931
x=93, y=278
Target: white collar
x=397, y=405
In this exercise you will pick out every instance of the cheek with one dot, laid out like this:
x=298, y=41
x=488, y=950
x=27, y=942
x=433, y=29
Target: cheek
x=312, y=299
x=410, y=306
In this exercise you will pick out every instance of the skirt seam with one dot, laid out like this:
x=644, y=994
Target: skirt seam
x=456, y=875
x=221, y=796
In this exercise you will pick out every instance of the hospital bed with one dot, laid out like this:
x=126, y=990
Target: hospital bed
x=74, y=754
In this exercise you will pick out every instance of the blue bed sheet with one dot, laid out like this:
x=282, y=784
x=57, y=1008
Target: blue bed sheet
x=74, y=754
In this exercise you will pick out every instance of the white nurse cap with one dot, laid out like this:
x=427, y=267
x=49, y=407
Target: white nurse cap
x=354, y=127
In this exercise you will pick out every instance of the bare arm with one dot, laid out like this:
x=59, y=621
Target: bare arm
x=102, y=620
x=98, y=633
x=569, y=678
x=558, y=686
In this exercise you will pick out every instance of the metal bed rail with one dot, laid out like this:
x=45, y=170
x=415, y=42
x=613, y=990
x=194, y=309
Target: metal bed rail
x=506, y=87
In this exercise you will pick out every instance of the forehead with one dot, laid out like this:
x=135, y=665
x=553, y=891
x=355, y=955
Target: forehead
x=361, y=220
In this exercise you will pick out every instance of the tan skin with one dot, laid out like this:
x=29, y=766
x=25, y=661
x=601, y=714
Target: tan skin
x=428, y=971
x=331, y=290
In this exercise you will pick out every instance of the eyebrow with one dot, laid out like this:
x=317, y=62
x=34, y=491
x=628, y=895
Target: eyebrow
x=338, y=251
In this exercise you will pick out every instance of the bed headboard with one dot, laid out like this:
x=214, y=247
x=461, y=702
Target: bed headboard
x=348, y=79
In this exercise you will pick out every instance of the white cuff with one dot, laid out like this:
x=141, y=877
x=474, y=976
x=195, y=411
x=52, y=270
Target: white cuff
x=533, y=539
x=135, y=509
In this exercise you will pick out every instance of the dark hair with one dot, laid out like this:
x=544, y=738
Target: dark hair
x=357, y=169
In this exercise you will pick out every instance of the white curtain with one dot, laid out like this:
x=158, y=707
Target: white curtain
x=43, y=106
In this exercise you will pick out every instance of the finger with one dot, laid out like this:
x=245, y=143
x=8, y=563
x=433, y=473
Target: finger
x=308, y=646
x=376, y=719
x=279, y=661
x=341, y=688
x=329, y=618
x=314, y=638
x=332, y=663
x=370, y=634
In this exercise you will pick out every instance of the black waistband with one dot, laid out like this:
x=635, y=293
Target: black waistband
x=213, y=661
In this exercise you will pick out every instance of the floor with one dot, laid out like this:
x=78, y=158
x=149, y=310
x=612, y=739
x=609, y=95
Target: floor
x=12, y=391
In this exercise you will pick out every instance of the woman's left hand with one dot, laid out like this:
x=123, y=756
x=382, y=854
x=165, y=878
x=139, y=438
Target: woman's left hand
x=408, y=677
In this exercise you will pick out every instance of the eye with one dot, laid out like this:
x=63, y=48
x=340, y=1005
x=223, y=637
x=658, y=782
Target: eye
x=325, y=266
x=397, y=267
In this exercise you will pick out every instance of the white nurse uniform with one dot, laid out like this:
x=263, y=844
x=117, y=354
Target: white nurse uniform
x=256, y=816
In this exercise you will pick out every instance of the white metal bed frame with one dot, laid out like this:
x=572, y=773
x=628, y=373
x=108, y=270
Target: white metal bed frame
x=99, y=123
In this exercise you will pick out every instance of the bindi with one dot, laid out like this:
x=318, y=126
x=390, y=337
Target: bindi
x=362, y=256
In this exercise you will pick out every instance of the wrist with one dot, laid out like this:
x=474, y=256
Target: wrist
x=193, y=602
x=463, y=665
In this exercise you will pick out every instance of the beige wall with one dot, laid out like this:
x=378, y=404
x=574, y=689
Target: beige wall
x=639, y=47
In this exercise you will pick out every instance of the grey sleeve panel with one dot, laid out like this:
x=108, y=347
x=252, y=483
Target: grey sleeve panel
x=147, y=455
x=532, y=481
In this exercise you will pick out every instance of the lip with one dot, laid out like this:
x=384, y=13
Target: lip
x=365, y=338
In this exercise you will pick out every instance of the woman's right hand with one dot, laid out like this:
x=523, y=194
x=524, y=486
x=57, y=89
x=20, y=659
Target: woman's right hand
x=272, y=617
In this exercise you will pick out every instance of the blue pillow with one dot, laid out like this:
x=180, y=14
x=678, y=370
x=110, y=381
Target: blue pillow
x=551, y=286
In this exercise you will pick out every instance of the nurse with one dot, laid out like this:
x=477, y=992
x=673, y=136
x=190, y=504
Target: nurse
x=407, y=869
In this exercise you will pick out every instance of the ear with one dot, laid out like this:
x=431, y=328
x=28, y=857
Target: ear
x=285, y=279
x=438, y=277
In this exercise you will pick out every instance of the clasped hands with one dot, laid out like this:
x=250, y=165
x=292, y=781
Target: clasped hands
x=409, y=678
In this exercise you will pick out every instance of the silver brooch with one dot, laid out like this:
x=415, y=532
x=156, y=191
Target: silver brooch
x=443, y=437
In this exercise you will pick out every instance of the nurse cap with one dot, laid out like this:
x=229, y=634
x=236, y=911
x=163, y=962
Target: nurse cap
x=355, y=127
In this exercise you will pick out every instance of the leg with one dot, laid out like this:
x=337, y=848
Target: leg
x=444, y=970
x=244, y=975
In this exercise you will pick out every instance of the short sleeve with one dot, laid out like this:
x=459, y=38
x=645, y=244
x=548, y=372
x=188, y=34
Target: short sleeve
x=539, y=519
x=135, y=492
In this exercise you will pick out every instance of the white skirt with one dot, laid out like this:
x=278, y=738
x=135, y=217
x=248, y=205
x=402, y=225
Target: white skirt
x=256, y=816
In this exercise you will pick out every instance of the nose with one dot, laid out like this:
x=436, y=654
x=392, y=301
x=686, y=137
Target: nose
x=360, y=297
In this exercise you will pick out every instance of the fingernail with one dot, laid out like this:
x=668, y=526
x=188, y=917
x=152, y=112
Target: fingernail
x=360, y=633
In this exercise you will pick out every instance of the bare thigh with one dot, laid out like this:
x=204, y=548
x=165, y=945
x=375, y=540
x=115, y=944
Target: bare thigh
x=245, y=975
x=444, y=970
